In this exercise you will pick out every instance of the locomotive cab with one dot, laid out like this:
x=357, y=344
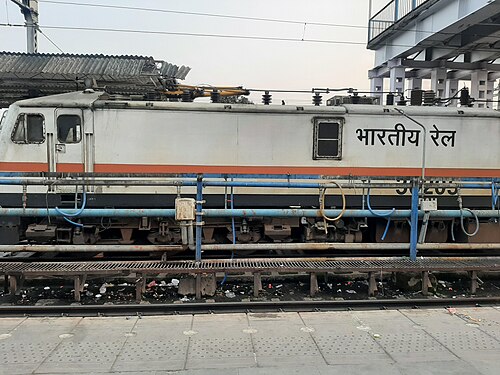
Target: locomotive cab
x=39, y=135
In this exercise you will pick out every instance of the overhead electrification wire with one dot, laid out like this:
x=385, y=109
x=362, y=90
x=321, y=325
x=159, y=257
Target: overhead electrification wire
x=50, y=40
x=225, y=36
x=159, y=32
x=158, y=10
x=229, y=16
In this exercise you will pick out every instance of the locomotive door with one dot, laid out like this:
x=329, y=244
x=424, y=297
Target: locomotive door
x=69, y=140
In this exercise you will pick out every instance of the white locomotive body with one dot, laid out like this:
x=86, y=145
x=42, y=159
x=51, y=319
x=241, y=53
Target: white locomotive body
x=91, y=134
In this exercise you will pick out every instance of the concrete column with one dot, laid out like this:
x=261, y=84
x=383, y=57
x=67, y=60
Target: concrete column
x=438, y=81
x=478, y=87
x=377, y=88
x=451, y=89
x=397, y=79
x=490, y=87
x=414, y=83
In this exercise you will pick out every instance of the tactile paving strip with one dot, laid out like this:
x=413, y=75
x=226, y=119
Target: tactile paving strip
x=470, y=340
x=24, y=352
x=220, y=347
x=333, y=345
x=86, y=351
x=285, y=346
x=153, y=350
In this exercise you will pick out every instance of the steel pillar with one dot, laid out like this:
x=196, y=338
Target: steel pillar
x=414, y=223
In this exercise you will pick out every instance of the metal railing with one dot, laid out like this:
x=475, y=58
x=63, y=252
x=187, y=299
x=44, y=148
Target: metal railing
x=390, y=14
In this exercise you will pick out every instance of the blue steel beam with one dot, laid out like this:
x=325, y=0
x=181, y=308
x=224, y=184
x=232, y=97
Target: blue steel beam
x=414, y=222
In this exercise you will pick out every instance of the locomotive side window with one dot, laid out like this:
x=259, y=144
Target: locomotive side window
x=327, y=139
x=69, y=129
x=29, y=128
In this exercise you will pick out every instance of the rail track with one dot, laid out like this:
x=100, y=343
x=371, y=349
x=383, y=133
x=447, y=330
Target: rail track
x=16, y=273
x=242, y=307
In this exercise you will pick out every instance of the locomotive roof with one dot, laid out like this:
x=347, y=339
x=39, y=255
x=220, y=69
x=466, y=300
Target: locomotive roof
x=91, y=99
x=70, y=99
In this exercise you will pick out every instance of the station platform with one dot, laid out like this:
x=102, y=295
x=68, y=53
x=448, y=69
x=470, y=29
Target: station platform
x=426, y=341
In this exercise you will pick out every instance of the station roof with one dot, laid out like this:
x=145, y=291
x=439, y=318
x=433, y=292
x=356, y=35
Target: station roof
x=25, y=75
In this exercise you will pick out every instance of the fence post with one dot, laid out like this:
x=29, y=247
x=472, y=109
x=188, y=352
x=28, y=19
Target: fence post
x=396, y=10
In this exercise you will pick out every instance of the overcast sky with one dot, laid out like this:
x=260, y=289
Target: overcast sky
x=218, y=61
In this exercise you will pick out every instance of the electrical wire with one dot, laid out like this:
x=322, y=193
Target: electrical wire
x=228, y=16
x=215, y=15
x=50, y=40
x=224, y=36
x=248, y=37
x=159, y=32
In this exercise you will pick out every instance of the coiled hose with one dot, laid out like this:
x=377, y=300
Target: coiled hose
x=67, y=215
x=460, y=206
x=462, y=218
x=322, y=195
x=386, y=214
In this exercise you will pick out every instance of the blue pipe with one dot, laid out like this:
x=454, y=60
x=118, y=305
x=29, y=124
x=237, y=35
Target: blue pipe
x=249, y=176
x=494, y=196
x=414, y=222
x=238, y=212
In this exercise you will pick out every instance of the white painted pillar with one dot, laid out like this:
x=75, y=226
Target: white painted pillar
x=414, y=83
x=438, y=82
x=451, y=90
x=490, y=87
x=397, y=77
x=377, y=88
x=478, y=87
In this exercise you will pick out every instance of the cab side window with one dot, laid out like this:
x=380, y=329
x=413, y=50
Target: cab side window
x=69, y=128
x=327, y=139
x=29, y=128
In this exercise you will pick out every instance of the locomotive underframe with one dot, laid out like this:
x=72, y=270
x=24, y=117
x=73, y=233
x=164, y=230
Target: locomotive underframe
x=260, y=218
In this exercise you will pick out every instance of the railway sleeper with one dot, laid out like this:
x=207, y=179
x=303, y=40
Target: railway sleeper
x=205, y=284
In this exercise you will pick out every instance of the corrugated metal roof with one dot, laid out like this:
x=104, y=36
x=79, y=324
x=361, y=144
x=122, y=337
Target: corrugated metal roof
x=99, y=67
x=24, y=75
